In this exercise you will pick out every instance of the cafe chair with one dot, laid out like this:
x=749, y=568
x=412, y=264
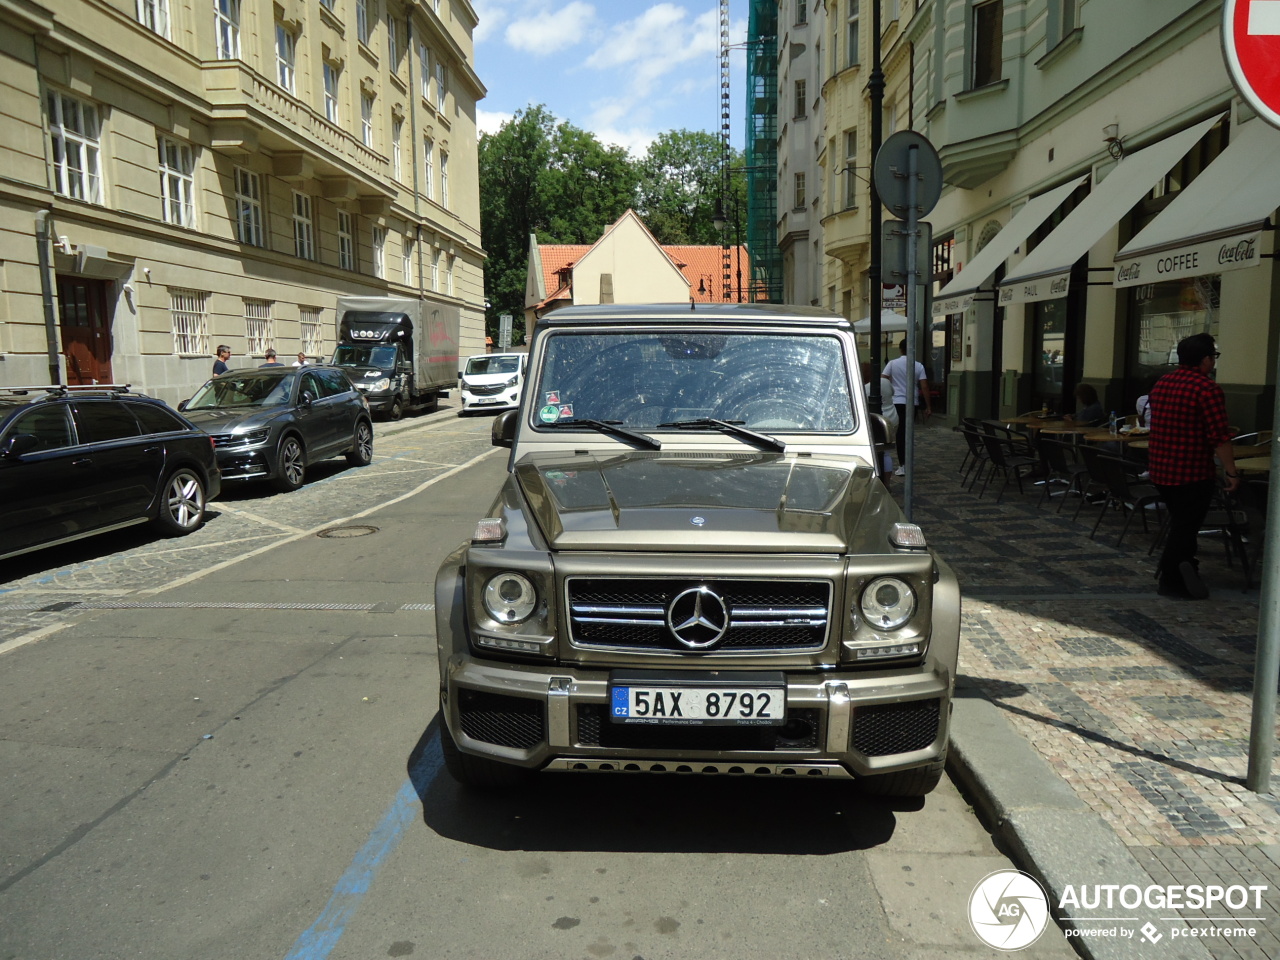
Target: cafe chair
x=1122, y=490
x=1061, y=466
x=1006, y=457
x=976, y=460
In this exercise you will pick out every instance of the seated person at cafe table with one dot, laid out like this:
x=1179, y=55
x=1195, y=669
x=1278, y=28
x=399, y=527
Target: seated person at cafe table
x=1189, y=426
x=1088, y=409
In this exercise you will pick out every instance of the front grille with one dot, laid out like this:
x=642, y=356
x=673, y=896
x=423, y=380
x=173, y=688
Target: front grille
x=889, y=728
x=226, y=439
x=800, y=732
x=764, y=615
x=501, y=720
x=485, y=391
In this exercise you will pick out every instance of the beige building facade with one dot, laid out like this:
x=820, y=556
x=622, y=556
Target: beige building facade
x=221, y=171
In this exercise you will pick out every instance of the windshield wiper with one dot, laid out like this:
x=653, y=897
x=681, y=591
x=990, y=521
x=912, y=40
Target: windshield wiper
x=613, y=428
x=734, y=427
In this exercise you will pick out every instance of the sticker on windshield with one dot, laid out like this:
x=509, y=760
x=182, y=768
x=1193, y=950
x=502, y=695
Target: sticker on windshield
x=553, y=396
x=566, y=411
x=549, y=414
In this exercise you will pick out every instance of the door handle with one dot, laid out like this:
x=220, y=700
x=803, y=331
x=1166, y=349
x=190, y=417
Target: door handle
x=82, y=462
x=150, y=449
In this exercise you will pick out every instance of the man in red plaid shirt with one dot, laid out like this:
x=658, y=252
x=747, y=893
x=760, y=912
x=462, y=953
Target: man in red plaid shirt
x=1188, y=417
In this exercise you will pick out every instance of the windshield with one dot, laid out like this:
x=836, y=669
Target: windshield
x=243, y=390
x=481, y=365
x=793, y=382
x=358, y=355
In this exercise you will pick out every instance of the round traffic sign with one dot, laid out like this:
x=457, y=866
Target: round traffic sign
x=1251, y=47
x=889, y=171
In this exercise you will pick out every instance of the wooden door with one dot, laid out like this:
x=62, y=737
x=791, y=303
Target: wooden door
x=86, y=329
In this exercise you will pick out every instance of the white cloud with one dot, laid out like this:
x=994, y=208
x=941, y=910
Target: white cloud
x=488, y=121
x=543, y=33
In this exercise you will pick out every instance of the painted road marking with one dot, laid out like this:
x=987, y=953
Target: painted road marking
x=319, y=939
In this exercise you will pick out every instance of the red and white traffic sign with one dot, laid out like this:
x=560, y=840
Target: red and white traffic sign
x=1251, y=46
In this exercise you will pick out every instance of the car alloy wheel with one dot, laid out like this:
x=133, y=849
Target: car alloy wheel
x=361, y=452
x=292, y=466
x=184, y=500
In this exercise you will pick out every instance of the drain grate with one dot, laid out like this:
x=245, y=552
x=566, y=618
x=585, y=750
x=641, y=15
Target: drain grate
x=344, y=533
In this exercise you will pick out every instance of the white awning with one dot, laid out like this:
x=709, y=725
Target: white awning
x=1215, y=224
x=890, y=322
x=958, y=294
x=1046, y=272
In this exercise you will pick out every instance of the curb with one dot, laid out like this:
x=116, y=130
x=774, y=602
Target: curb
x=1047, y=830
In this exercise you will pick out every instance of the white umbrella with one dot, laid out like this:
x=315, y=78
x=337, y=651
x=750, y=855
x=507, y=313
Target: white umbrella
x=890, y=322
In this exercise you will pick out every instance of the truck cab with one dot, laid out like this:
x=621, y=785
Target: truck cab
x=376, y=350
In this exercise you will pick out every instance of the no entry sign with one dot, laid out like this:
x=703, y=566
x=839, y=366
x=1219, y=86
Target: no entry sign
x=1251, y=46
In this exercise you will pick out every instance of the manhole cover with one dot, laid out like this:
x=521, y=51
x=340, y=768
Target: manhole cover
x=342, y=533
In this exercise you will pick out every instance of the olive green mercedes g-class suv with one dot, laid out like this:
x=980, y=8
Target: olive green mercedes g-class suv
x=693, y=567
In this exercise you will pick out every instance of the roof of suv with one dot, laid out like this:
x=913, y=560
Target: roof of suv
x=773, y=314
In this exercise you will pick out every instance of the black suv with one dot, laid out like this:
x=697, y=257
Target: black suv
x=75, y=462
x=271, y=423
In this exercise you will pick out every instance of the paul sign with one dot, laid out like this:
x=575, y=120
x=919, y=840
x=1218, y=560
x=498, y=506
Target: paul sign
x=1251, y=47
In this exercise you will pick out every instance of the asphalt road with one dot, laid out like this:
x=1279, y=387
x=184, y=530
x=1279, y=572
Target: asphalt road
x=225, y=746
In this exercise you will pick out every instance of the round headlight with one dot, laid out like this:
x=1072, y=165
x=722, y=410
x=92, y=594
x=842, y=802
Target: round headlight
x=888, y=603
x=510, y=598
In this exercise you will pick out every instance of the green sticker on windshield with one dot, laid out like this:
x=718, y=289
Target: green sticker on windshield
x=549, y=414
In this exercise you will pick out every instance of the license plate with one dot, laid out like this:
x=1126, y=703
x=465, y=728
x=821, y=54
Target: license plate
x=701, y=706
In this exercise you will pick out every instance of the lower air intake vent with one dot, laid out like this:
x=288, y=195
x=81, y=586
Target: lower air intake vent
x=504, y=721
x=800, y=732
x=890, y=728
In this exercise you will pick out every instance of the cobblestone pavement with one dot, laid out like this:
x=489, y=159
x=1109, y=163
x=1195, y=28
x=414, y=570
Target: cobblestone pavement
x=44, y=589
x=1140, y=703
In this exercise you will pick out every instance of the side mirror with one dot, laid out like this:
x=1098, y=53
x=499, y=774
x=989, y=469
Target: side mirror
x=21, y=443
x=306, y=399
x=881, y=432
x=183, y=404
x=503, y=433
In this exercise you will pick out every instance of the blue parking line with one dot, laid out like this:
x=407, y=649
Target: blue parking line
x=319, y=939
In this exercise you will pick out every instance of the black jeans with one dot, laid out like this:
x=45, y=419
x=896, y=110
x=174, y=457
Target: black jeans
x=1188, y=504
x=902, y=434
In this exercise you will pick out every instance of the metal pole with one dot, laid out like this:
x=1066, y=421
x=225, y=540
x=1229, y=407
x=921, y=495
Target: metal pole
x=46, y=296
x=912, y=383
x=1266, y=665
x=876, y=85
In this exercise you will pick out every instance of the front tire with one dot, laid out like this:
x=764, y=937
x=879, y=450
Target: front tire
x=291, y=465
x=361, y=452
x=182, y=503
x=397, y=410
x=472, y=771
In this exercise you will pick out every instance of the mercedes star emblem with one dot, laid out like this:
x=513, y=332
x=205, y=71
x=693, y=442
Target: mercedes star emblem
x=697, y=521
x=698, y=617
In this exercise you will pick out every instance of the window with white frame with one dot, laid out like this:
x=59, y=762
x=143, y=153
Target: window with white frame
x=428, y=168
x=332, y=76
x=424, y=71
x=393, y=42
x=850, y=168
x=248, y=206
x=189, y=315
x=799, y=188
x=379, y=251
x=177, y=182
x=286, y=52
x=397, y=127
x=802, y=11
x=802, y=96
x=444, y=179
x=988, y=36
x=448, y=275
x=304, y=244
x=362, y=21
x=311, y=322
x=330, y=5
x=852, y=32
x=259, y=327
x=154, y=15
x=442, y=84
x=74, y=133
x=346, y=242
x=366, y=119
x=226, y=23
x=435, y=270
x=406, y=259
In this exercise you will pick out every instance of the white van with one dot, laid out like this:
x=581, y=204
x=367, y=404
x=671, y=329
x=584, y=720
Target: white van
x=492, y=381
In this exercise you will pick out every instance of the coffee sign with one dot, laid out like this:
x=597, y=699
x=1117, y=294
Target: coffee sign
x=1192, y=259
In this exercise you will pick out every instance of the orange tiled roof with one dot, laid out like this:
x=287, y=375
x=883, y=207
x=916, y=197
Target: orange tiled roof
x=557, y=257
x=704, y=265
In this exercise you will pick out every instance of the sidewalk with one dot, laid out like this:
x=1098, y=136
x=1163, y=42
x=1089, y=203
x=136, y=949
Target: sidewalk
x=1100, y=729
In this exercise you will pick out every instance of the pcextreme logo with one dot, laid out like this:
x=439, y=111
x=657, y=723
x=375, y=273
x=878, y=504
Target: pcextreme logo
x=1008, y=910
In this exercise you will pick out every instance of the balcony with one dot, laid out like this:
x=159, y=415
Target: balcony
x=845, y=234
x=251, y=114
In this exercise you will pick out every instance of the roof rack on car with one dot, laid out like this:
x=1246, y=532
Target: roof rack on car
x=63, y=389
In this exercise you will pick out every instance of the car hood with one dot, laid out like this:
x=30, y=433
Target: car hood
x=698, y=501
x=228, y=421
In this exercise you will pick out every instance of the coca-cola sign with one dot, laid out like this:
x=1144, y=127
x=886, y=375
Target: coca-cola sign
x=1240, y=251
x=1193, y=258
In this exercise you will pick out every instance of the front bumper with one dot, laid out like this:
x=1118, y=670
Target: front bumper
x=507, y=399
x=247, y=462
x=839, y=725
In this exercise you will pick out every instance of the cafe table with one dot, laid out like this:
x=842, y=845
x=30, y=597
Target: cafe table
x=1104, y=435
x=1064, y=427
x=1239, y=451
x=1254, y=465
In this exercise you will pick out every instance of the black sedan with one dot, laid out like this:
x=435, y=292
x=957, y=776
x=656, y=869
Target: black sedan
x=273, y=422
x=74, y=463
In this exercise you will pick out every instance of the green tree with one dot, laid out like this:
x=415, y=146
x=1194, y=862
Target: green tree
x=680, y=189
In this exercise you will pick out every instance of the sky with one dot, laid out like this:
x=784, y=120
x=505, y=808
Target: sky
x=626, y=70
